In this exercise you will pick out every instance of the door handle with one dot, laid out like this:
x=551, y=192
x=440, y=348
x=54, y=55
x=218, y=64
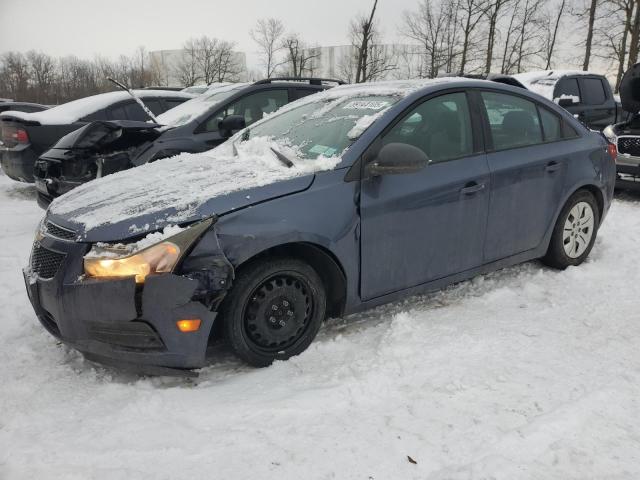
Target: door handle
x=552, y=167
x=471, y=188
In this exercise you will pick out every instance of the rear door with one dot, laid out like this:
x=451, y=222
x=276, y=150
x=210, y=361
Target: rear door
x=527, y=172
x=424, y=226
x=252, y=106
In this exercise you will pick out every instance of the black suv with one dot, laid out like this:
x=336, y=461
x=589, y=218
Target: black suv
x=202, y=123
x=26, y=135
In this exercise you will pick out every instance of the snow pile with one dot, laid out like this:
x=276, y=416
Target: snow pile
x=527, y=374
x=71, y=112
x=184, y=182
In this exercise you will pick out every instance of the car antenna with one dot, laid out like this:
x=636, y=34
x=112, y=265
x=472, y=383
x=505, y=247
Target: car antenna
x=135, y=97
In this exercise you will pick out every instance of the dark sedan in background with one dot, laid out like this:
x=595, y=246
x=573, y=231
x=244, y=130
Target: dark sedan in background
x=102, y=148
x=348, y=199
x=27, y=135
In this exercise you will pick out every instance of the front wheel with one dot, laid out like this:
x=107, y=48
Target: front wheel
x=274, y=310
x=575, y=231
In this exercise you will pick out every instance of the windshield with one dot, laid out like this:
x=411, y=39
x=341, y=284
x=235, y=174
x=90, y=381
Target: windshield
x=324, y=128
x=191, y=109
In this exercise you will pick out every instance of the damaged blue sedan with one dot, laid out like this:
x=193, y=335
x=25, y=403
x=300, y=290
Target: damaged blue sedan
x=340, y=202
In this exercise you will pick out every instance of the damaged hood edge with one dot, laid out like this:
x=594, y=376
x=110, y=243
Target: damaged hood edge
x=139, y=226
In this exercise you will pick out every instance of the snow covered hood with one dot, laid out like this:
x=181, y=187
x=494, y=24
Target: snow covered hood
x=543, y=82
x=71, y=112
x=183, y=188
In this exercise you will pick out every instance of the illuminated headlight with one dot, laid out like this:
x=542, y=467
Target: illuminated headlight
x=105, y=262
x=121, y=261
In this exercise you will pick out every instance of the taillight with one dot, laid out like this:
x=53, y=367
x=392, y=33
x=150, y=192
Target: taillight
x=613, y=151
x=12, y=136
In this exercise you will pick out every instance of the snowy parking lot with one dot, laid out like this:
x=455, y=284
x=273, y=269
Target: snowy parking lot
x=527, y=373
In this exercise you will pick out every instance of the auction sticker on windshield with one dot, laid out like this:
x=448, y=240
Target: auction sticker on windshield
x=365, y=105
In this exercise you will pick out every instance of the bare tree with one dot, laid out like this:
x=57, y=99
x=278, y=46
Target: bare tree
x=472, y=14
x=43, y=74
x=634, y=36
x=362, y=33
x=300, y=58
x=589, y=41
x=187, y=70
x=492, y=11
x=429, y=26
x=552, y=35
x=268, y=34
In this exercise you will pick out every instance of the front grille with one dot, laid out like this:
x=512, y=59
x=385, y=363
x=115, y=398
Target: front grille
x=59, y=232
x=629, y=145
x=45, y=263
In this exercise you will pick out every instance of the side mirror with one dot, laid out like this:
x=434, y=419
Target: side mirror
x=230, y=124
x=567, y=102
x=397, y=159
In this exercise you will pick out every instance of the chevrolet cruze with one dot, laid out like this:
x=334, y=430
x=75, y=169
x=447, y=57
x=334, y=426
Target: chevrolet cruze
x=341, y=201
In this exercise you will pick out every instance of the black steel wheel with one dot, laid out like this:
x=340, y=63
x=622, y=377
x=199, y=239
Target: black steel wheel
x=274, y=310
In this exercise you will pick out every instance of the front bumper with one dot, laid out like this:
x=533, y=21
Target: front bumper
x=115, y=321
x=18, y=163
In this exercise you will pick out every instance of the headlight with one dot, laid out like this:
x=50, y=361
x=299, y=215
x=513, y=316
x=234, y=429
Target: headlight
x=160, y=258
x=119, y=261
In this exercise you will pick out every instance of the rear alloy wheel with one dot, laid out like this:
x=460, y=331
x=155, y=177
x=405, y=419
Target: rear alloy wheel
x=575, y=231
x=274, y=310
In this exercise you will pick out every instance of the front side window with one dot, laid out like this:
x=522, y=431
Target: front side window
x=135, y=112
x=323, y=128
x=513, y=121
x=118, y=112
x=440, y=127
x=252, y=107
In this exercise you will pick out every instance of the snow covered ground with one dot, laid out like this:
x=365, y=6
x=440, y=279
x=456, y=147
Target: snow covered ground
x=527, y=373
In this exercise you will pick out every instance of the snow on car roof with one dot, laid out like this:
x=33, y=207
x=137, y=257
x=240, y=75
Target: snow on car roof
x=73, y=111
x=184, y=182
x=543, y=82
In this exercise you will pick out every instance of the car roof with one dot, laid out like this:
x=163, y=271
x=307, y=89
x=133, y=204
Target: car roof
x=73, y=111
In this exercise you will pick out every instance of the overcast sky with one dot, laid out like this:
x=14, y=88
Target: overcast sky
x=112, y=27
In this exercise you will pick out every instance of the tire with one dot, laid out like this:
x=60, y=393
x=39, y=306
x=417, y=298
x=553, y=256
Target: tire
x=574, y=235
x=274, y=310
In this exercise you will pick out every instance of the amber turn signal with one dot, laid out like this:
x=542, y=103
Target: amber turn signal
x=186, y=326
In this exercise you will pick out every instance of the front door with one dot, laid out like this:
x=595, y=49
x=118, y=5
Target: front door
x=428, y=225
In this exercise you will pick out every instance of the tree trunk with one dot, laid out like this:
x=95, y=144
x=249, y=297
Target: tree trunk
x=592, y=19
x=635, y=35
x=553, y=38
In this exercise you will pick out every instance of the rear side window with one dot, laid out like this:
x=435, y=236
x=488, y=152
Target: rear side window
x=440, y=127
x=170, y=103
x=550, y=125
x=154, y=105
x=568, y=87
x=303, y=92
x=118, y=112
x=135, y=112
x=95, y=116
x=513, y=121
x=594, y=93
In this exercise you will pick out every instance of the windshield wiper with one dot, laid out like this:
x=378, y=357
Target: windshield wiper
x=283, y=158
